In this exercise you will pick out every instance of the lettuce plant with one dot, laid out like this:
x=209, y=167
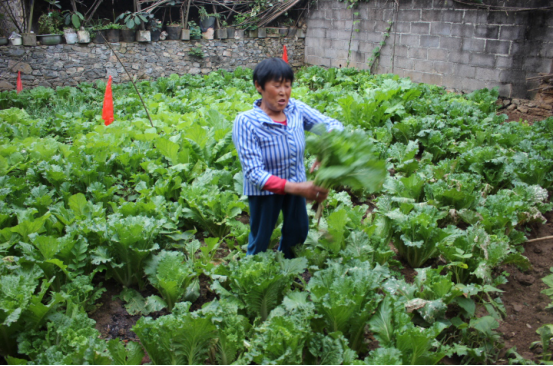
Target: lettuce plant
x=131, y=242
x=257, y=283
x=346, y=295
x=180, y=338
x=417, y=234
x=173, y=277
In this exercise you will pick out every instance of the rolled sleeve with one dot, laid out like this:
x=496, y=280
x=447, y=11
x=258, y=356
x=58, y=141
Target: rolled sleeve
x=249, y=153
x=311, y=117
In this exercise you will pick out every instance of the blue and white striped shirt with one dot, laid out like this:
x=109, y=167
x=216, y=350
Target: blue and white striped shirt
x=268, y=148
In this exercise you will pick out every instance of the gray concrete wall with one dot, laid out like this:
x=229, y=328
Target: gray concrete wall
x=72, y=64
x=437, y=42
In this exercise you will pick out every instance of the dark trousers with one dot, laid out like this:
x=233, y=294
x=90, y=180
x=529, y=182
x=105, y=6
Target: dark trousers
x=264, y=212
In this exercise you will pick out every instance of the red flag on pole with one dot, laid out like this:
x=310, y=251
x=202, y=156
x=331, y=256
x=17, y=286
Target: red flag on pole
x=285, y=54
x=107, y=111
x=19, y=84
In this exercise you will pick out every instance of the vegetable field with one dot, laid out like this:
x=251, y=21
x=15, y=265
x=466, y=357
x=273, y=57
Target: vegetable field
x=402, y=272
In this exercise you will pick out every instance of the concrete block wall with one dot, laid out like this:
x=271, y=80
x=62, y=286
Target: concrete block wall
x=437, y=42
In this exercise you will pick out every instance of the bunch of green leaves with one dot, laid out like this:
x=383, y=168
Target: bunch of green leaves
x=131, y=241
x=22, y=291
x=257, y=283
x=400, y=341
x=232, y=329
x=180, y=338
x=173, y=277
x=417, y=233
x=70, y=338
x=346, y=295
x=346, y=159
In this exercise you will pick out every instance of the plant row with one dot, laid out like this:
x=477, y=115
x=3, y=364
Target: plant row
x=153, y=208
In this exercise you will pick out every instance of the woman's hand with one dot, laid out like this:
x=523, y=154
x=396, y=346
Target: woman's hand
x=315, y=166
x=308, y=190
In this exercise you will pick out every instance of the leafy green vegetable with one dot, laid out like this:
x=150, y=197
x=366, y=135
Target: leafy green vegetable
x=173, y=277
x=257, y=283
x=180, y=338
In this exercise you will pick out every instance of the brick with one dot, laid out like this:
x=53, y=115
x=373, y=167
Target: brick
x=441, y=29
x=424, y=66
x=337, y=34
x=538, y=65
x=430, y=41
x=437, y=54
x=367, y=46
x=316, y=15
x=451, y=81
x=385, y=61
x=473, y=84
x=316, y=23
x=413, y=75
x=466, y=71
x=409, y=15
x=372, y=36
x=489, y=31
x=326, y=43
x=498, y=17
x=387, y=50
x=339, y=5
x=313, y=60
x=475, y=16
x=357, y=56
x=447, y=68
x=505, y=90
x=503, y=62
x=310, y=50
x=511, y=33
x=451, y=43
x=409, y=40
x=453, y=16
x=387, y=14
x=482, y=59
x=420, y=28
x=418, y=53
x=473, y=45
x=462, y=30
x=526, y=48
x=337, y=44
x=404, y=63
x=487, y=74
x=433, y=79
x=498, y=47
x=367, y=26
x=315, y=33
x=325, y=62
x=338, y=63
x=341, y=14
x=402, y=27
x=402, y=51
x=432, y=15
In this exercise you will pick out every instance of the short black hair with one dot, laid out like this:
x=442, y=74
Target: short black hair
x=272, y=69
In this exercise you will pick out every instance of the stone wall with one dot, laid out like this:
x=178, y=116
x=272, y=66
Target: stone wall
x=437, y=42
x=71, y=64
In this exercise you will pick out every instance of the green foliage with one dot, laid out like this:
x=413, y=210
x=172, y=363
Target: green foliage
x=181, y=338
x=160, y=205
x=173, y=277
x=257, y=283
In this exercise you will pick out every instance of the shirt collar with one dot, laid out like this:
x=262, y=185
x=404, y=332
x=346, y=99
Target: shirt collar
x=265, y=118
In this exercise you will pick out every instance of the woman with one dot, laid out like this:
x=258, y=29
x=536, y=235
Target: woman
x=270, y=139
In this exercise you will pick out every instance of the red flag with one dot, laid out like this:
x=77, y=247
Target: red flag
x=107, y=111
x=19, y=84
x=285, y=54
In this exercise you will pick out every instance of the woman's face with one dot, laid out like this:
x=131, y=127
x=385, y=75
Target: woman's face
x=275, y=95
